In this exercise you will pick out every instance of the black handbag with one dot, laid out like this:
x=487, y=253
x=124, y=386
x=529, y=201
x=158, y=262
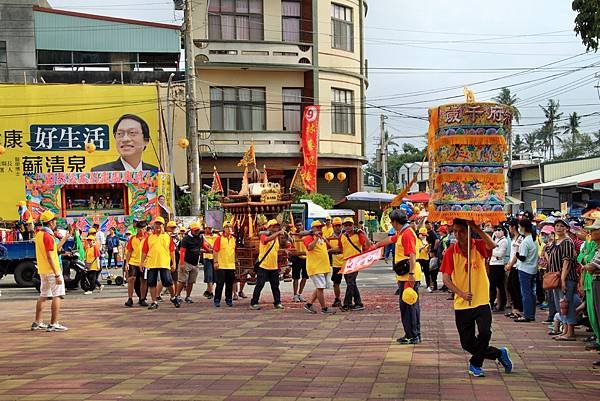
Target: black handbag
x=258, y=262
x=402, y=267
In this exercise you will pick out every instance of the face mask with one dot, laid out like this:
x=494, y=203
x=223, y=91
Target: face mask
x=544, y=239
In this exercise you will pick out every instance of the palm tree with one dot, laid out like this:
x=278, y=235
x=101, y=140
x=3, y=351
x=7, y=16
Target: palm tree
x=508, y=99
x=518, y=145
x=572, y=128
x=532, y=142
x=550, y=129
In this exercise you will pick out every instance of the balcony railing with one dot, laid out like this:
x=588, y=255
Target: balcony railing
x=265, y=142
x=245, y=52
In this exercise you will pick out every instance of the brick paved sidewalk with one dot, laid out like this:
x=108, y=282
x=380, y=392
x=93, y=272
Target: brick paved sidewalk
x=200, y=352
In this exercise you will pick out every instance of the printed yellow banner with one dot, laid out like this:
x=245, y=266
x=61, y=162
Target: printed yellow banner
x=74, y=128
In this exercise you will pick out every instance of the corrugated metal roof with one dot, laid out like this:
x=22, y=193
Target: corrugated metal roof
x=580, y=179
x=59, y=30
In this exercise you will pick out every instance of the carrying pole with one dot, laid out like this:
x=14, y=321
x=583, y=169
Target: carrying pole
x=469, y=258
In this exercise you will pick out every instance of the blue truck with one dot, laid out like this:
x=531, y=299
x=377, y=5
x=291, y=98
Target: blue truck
x=18, y=258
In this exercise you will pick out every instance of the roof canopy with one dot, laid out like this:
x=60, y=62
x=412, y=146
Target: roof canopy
x=574, y=180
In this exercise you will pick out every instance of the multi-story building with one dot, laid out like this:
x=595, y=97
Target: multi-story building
x=46, y=45
x=258, y=63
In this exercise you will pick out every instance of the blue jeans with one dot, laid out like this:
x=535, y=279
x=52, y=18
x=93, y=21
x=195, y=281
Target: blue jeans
x=570, y=317
x=410, y=314
x=527, y=282
x=390, y=250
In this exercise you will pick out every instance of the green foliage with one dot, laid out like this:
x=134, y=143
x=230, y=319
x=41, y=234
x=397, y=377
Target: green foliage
x=410, y=154
x=518, y=145
x=323, y=200
x=508, y=99
x=183, y=205
x=587, y=22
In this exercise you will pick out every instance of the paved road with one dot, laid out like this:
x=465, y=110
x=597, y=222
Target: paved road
x=200, y=352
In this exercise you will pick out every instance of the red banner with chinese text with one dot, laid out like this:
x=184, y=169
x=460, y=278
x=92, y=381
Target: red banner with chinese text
x=361, y=261
x=310, y=137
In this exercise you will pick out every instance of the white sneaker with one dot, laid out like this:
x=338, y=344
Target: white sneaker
x=39, y=326
x=87, y=293
x=296, y=298
x=56, y=327
x=429, y=289
x=101, y=288
x=301, y=298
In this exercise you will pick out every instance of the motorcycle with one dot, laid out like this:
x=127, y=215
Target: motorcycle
x=74, y=273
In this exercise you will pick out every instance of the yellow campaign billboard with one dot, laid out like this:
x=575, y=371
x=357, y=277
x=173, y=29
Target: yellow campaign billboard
x=74, y=128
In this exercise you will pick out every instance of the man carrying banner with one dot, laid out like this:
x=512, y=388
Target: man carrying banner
x=268, y=269
x=351, y=243
x=317, y=266
x=471, y=288
x=337, y=260
x=405, y=255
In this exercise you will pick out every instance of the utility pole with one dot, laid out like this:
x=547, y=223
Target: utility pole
x=194, y=178
x=383, y=150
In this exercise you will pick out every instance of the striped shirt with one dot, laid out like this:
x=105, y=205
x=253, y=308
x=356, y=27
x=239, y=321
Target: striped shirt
x=561, y=252
x=596, y=264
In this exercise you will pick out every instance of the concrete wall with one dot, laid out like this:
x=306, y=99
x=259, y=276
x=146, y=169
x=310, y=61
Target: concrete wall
x=17, y=30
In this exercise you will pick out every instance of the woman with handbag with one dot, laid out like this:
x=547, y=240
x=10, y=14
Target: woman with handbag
x=562, y=279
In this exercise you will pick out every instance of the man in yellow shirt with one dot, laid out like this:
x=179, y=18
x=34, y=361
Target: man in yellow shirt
x=158, y=254
x=327, y=228
x=92, y=259
x=268, y=269
x=224, y=263
x=52, y=285
x=472, y=305
x=352, y=242
x=298, y=259
x=317, y=266
x=208, y=264
x=133, y=260
x=337, y=260
x=405, y=258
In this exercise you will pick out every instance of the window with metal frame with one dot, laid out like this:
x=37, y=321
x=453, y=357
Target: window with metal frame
x=342, y=111
x=290, y=20
x=342, y=28
x=292, y=109
x=235, y=20
x=3, y=58
x=237, y=109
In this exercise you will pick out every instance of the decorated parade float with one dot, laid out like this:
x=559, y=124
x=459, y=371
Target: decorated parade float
x=111, y=199
x=249, y=210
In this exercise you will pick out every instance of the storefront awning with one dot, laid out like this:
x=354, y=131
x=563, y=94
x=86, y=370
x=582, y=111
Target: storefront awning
x=588, y=178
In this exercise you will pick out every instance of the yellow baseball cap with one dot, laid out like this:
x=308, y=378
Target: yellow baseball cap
x=336, y=220
x=47, y=216
x=348, y=220
x=272, y=222
x=92, y=231
x=316, y=223
x=90, y=238
x=21, y=203
x=171, y=224
x=227, y=224
x=195, y=225
x=409, y=296
x=422, y=230
x=160, y=220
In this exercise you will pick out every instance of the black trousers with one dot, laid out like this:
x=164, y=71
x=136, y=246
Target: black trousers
x=264, y=275
x=111, y=256
x=352, y=293
x=497, y=277
x=410, y=314
x=478, y=345
x=425, y=268
x=93, y=278
x=225, y=278
x=514, y=289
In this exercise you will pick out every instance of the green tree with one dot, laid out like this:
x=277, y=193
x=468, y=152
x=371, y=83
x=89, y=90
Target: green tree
x=323, y=200
x=550, y=134
x=532, y=142
x=508, y=99
x=183, y=205
x=571, y=130
x=409, y=154
x=587, y=22
x=518, y=145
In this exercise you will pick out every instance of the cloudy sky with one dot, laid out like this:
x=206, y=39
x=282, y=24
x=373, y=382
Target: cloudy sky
x=422, y=52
